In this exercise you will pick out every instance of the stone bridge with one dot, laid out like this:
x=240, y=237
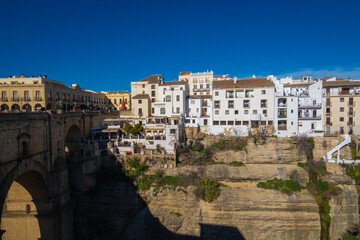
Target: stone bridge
x=34, y=174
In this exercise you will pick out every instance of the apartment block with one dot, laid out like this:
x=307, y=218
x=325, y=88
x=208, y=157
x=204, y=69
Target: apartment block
x=242, y=104
x=118, y=100
x=341, y=106
x=21, y=93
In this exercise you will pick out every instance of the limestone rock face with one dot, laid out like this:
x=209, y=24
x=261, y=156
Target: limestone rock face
x=242, y=211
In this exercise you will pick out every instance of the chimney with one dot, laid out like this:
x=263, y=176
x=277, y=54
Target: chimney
x=22, y=75
x=235, y=79
x=9, y=76
x=253, y=76
x=44, y=76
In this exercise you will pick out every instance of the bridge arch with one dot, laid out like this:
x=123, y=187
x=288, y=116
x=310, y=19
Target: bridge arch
x=25, y=207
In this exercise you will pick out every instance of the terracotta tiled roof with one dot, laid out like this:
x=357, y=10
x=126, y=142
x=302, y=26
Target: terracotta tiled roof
x=115, y=92
x=168, y=83
x=245, y=82
x=152, y=79
x=298, y=85
x=341, y=83
x=222, y=76
x=184, y=73
x=141, y=96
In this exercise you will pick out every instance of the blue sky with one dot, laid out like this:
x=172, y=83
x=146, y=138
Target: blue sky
x=104, y=45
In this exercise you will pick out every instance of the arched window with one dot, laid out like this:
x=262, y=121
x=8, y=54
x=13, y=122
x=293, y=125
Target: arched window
x=24, y=148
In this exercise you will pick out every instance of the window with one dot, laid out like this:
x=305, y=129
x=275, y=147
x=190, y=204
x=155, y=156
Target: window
x=263, y=92
x=216, y=112
x=115, y=101
x=230, y=123
x=215, y=122
x=197, y=110
x=341, y=119
x=201, y=86
x=140, y=101
x=162, y=110
x=246, y=111
x=177, y=110
x=292, y=111
x=173, y=131
x=237, y=122
x=341, y=99
x=153, y=100
x=3, y=95
x=58, y=97
x=270, y=122
x=168, y=98
x=192, y=101
x=205, y=122
x=341, y=109
x=152, y=110
x=15, y=95
x=263, y=122
x=178, y=98
x=254, y=111
x=207, y=86
x=226, y=112
x=264, y=111
x=216, y=93
x=152, y=86
x=236, y=111
x=143, y=86
x=195, y=87
x=245, y=123
x=26, y=95
x=153, y=93
x=140, y=111
x=222, y=122
x=230, y=104
x=246, y=104
x=217, y=104
x=125, y=100
x=263, y=103
x=193, y=120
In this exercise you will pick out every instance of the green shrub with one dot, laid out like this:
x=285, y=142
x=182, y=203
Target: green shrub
x=353, y=172
x=208, y=189
x=236, y=164
x=220, y=145
x=285, y=186
x=197, y=146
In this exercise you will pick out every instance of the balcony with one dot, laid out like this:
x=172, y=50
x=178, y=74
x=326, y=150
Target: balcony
x=351, y=114
x=308, y=117
x=15, y=99
x=216, y=106
x=4, y=99
x=351, y=123
x=282, y=127
x=246, y=105
x=351, y=104
x=328, y=123
x=27, y=99
x=263, y=105
x=282, y=116
x=314, y=106
x=204, y=115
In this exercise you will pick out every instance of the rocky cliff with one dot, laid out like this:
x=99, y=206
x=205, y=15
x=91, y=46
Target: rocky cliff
x=242, y=211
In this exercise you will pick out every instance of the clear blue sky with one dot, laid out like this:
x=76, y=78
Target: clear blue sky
x=104, y=45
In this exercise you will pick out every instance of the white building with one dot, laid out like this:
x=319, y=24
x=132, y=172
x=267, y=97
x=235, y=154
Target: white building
x=199, y=112
x=171, y=99
x=242, y=104
x=299, y=107
x=200, y=83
